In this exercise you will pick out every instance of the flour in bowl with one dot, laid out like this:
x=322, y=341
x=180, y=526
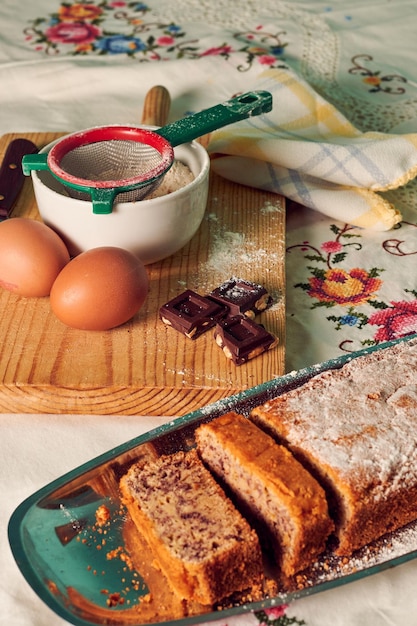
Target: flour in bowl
x=179, y=175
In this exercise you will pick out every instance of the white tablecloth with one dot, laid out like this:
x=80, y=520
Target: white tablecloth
x=69, y=66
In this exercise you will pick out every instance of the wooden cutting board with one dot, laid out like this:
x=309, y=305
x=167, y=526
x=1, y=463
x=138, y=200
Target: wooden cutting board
x=144, y=367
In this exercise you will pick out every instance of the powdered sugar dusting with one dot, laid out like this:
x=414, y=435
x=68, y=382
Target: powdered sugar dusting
x=385, y=551
x=360, y=420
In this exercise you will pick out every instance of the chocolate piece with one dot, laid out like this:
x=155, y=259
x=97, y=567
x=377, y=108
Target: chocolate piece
x=191, y=314
x=242, y=297
x=241, y=339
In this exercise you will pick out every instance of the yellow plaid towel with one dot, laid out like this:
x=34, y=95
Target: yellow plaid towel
x=309, y=152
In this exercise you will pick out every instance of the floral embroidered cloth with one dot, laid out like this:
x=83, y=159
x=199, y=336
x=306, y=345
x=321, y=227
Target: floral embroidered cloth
x=70, y=65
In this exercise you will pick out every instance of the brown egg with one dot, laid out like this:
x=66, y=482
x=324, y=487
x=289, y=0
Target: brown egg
x=100, y=289
x=31, y=256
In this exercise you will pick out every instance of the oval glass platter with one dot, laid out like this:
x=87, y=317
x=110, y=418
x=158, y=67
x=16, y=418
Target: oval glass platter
x=78, y=549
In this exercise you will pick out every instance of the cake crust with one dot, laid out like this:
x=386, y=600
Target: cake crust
x=355, y=429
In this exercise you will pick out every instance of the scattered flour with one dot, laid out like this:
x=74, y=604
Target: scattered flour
x=234, y=252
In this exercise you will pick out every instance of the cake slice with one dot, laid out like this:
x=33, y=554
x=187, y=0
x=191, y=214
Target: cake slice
x=355, y=429
x=203, y=545
x=284, y=499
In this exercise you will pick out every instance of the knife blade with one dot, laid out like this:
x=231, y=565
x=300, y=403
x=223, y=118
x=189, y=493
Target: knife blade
x=11, y=173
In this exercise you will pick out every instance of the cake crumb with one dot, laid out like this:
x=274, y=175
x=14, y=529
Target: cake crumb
x=102, y=515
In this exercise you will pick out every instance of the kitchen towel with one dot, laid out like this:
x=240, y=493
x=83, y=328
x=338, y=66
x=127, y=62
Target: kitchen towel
x=306, y=150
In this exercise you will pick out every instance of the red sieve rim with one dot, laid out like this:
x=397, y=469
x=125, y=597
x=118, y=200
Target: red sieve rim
x=111, y=133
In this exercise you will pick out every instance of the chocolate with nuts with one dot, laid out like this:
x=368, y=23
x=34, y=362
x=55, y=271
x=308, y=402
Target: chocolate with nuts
x=191, y=314
x=242, y=297
x=241, y=339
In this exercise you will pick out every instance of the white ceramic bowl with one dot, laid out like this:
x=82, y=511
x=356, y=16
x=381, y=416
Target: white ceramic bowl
x=153, y=229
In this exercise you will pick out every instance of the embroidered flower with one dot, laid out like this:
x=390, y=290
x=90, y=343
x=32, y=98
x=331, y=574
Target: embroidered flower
x=398, y=320
x=277, y=616
x=331, y=247
x=277, y=611
x=278, y=49
x=217, y=51
x=73, y=33
x=83, y=48
x=79, y=12
x=255, y=50
x=265, y=59
x=165, y=41
x=173, y=28
x=375, y=79
x=337, y=286
x=372, y=80
x=348, y=320
x=120, y=44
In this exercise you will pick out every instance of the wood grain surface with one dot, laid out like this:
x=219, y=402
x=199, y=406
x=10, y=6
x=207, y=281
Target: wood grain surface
x=144, y=367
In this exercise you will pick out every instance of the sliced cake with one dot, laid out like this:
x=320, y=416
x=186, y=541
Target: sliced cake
x=287, y=503
x=203, y=545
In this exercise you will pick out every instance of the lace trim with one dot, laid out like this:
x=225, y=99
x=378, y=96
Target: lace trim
x=319, y=67
x=319, y=62
x=235, y=14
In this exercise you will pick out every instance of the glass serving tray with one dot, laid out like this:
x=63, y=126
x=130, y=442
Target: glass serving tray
x=78, y=549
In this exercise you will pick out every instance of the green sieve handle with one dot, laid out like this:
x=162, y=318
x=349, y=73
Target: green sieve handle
x=239, y=108
x=38, y=161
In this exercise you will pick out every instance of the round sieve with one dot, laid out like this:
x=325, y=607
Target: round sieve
x=129, y=162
